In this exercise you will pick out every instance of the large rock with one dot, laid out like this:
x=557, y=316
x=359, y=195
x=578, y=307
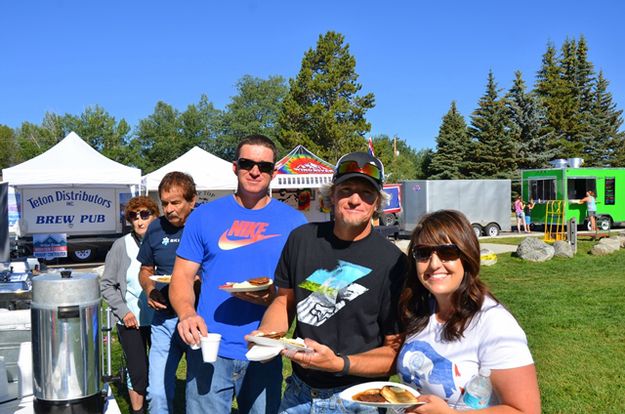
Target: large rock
x=605, y=246
x=563, y=249
x=535, y=250
x=487, y=257
x=621, y=239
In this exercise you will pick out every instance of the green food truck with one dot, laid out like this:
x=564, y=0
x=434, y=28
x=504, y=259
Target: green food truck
x=568, y=182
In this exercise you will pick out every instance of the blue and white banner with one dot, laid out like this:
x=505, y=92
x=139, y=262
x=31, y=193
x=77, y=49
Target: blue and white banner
x=394, y=202
x=50, y=246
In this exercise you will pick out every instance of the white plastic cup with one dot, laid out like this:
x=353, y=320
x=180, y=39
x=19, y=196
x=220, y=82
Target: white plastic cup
x=210, y=346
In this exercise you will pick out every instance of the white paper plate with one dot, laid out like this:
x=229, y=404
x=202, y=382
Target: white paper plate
x=262, y=353
x=246, y=288
x=161, y=278
x=276, y=343
x=351, y=391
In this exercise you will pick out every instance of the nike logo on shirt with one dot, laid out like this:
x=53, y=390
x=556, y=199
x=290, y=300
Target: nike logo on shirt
x=243, y=233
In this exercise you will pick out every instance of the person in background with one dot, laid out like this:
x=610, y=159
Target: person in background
x=121, y=289
x=527, y=211
x=157, y=255
x=341, y=280
x=454, y=325
x=234, y=238
x=591, y=208
x=520, y=216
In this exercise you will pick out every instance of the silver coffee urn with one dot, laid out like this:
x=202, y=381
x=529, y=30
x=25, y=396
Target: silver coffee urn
x=65, y=326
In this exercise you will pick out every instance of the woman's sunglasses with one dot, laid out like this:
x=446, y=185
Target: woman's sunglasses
x=353, y=167
x=445, y=252
x=144, y=214
x=263, y=166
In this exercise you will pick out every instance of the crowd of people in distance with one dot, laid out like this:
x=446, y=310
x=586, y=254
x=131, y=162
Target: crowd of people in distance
x=364, y=309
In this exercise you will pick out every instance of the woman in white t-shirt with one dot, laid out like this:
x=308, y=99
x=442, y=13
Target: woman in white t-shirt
x=454, y=325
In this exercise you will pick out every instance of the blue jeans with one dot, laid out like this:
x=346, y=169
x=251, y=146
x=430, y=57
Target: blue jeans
x=299, y=398
x=212, y=387
x=165, y=354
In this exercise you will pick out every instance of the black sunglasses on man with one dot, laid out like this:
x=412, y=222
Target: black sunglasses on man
x=263, y=166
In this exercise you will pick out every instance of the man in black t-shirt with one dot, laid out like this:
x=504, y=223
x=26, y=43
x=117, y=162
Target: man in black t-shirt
x=341, y=281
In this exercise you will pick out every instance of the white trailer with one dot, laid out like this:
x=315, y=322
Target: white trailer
x=486, y=203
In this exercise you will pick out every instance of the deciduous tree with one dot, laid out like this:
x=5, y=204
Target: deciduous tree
x=401, y=162
x=254, y=110
x=158, y=138
x=8, y=146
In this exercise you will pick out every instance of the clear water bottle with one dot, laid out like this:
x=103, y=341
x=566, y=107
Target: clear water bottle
x=478, y=390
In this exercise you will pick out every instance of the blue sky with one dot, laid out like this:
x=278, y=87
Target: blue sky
x=62, y=56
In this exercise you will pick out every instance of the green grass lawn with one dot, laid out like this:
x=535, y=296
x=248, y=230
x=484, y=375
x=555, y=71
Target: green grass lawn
x=573, y=312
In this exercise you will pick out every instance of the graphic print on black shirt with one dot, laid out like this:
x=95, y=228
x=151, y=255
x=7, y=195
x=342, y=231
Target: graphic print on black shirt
x=331, y=290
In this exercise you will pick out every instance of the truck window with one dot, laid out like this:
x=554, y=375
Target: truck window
x=542, y=189
x=609, y=191
x=576, y=188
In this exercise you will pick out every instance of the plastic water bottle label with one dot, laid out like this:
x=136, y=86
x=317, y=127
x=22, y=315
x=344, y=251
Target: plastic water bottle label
x=474, y=402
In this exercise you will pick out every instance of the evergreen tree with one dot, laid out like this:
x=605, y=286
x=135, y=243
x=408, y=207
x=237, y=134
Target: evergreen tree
x=529, y=131
x=490, y=131
x=452, y=146
x=564, y=84
x=557, y=99
x=584, y=77
x=605, y=142
x=322, y=110
x=424, y=161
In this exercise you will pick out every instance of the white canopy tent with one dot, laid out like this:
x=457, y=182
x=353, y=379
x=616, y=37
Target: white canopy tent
x=208, y=171
x=71, y=162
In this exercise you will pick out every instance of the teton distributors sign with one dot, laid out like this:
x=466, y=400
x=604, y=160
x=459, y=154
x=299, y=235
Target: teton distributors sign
x=75, y=210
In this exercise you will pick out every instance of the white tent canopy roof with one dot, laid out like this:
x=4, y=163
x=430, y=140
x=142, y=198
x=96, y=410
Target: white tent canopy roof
x=208, y=171
x=71, y=161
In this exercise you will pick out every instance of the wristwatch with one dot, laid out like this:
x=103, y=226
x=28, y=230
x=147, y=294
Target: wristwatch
x=345, y=370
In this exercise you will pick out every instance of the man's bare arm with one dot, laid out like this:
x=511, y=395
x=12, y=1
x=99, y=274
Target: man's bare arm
x=279, y=314
x=148, y=285
x=377, y=362
x=182, y=298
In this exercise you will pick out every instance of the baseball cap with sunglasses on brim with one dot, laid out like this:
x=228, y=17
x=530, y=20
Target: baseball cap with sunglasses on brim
x=359, y=165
